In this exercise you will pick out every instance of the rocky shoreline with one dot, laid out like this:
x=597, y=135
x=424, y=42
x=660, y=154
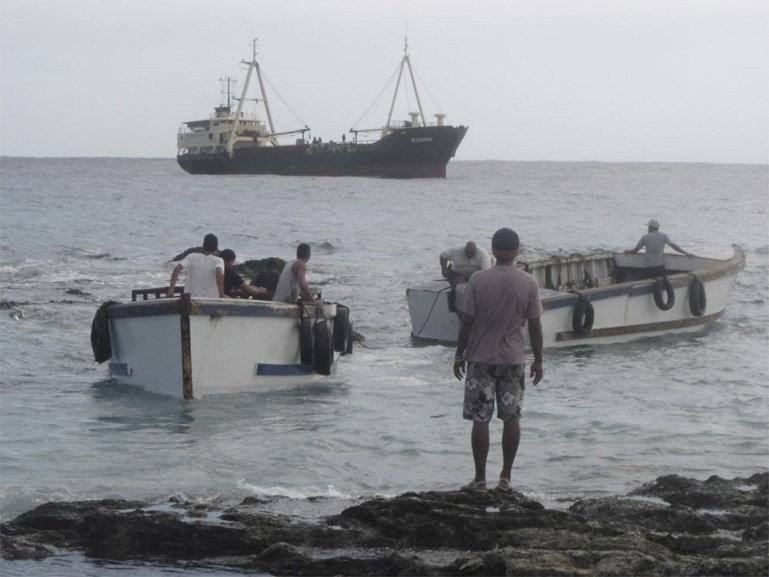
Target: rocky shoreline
x=671, y=526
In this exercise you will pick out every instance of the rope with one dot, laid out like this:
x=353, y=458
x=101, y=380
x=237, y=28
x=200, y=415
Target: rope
x=431, y=311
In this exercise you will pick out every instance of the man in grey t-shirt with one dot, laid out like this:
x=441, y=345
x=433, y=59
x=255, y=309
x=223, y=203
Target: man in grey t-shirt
x=499, y=303
x=654, y=241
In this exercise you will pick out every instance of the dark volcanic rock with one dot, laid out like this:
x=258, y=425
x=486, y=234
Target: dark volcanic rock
x=673, y=526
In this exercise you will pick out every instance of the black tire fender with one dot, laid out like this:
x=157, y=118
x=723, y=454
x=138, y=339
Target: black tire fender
x=697, y=299
x=341, y=322
x=101, y=343
x=350, y=339
x=323, y=349
x=583, y=317
x=306, y=341
x=664, y=303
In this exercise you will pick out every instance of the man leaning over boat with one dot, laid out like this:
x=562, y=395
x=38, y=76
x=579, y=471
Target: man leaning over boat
x=458, y=263
x=234, y=285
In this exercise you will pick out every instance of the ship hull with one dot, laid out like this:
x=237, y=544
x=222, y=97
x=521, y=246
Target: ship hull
x=420, y=152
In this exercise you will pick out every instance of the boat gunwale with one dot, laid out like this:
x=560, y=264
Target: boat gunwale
x=215, y=307
x=561, y=298
x=721, y=269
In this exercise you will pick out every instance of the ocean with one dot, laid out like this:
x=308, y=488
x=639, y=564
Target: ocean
x=605, y=419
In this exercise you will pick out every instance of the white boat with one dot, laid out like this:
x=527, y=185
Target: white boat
x=600, y=298
x=192, y=347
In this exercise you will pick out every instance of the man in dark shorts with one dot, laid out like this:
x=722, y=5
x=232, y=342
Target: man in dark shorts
x=498, y=303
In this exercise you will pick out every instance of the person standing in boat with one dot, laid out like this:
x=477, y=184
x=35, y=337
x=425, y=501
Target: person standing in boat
x=293, y=279
x=457, y=265
x=234, y=285
x=654, y=241
x=205, y=271
x=498, y=303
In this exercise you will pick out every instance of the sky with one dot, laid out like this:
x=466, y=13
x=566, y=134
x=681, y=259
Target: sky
x=534, y=80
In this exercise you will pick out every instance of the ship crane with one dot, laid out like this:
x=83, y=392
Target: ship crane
x=253, y=65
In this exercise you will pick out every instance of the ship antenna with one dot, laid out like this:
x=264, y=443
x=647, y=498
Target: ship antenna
x=229, y=82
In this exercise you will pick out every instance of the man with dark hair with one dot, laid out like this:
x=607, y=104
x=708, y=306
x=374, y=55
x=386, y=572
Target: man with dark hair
x=205, y=271
x=654, y=258
x=498, y=303
x=293, y=279
x=234, y=285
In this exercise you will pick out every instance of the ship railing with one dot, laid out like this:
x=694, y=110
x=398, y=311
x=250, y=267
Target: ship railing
x=394, y=125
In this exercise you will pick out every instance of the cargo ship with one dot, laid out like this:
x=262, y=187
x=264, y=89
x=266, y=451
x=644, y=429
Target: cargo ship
x=233, y=141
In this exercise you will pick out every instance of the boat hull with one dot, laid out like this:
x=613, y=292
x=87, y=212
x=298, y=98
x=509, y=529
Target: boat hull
x=621, y=311
x=191, y=348
x=419, y=152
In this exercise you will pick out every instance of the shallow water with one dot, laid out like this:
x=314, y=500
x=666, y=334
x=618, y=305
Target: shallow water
x=604, y=420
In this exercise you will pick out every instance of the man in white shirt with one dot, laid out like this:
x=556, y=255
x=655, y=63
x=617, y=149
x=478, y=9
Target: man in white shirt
x=205, y=271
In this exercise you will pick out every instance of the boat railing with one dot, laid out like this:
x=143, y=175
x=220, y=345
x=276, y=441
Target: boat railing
x=157, y=292
x=573, y=273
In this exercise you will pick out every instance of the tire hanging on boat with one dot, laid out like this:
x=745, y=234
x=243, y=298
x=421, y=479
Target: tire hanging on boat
x=341, y=322
x=664, y=303
x=324, y=351
x=583, y=317
x=697, y=299
x=306, y=341
x=101, y=343
x=350, y=338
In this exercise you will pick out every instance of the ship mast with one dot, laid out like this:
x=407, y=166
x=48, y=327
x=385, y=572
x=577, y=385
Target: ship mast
x=406, y=62
x=253, y=65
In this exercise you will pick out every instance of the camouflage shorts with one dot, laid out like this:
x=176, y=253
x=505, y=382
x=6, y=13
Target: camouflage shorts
x=486, y=384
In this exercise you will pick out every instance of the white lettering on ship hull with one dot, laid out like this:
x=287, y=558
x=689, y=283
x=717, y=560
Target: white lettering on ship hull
x=423, y=139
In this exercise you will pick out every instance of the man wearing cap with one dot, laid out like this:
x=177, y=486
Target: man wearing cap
x=498, y=303
x=655, y=241
x=205, y=271
x=234, y=285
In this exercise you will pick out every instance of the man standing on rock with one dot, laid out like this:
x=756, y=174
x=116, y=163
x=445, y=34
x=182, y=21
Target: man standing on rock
x=498, y=303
